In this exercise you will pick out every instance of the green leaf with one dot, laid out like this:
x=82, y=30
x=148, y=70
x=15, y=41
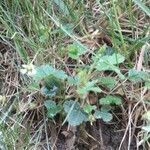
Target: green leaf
x=60, y=74
x=46, y=70
x=88, y=108
x=43, y=71
x=106, y=108
x=75, y=115
x=52, y=108
x=71, y=105
x=142, y=6
x=138, y=76
x=116, y=59
x=108, y=62
x=104, y=115
x=75, y=50
x=108, y=51
x=90, y=86
x=83, y=76
x=112, y=59
x=109, y=82
x=108, y=100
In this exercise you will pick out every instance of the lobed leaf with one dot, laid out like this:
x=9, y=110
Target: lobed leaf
x=137, y=76
x=52, y=108
x=46, y=70
x=75, y=115
x=108, y=100
x=107, y=81
x=104, y=115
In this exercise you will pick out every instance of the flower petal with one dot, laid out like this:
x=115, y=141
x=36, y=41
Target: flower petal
x=31, y=73
x=23, y=71
x=24, y=66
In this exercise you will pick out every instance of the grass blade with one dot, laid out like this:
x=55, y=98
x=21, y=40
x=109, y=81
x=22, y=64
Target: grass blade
x=142, y=6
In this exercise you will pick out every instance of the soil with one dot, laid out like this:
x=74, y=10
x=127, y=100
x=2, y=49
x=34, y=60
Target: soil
x=99, y=136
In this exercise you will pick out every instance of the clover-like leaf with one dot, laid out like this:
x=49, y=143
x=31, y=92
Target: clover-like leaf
x=46, y=70
x=52, y=108
x=107, y=81
x=109, y=62
x=137, y=76
x=43, y=71
x=104, y=115
x=110, y=100
x=75, y=115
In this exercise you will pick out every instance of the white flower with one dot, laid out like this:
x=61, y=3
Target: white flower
x=28, y=69
x=2, y=99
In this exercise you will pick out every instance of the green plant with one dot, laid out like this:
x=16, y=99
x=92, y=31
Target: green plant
x=80, y=110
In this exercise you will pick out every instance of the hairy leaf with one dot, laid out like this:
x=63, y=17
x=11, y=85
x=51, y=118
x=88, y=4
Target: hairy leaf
x=46, y=70
x=108, y=81
x=108, y=100
x=109, y=62
x=137, y=76
x=52, y=108
x=75, y=115
x=104, y=115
